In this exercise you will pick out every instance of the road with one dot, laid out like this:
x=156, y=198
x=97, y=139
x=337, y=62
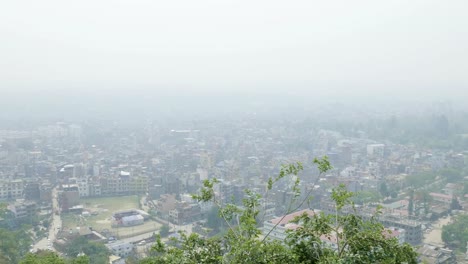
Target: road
x=55, y=225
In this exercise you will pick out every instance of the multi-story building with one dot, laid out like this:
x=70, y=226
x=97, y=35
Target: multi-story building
x=277, y=227
x=138, y=185
x=120, y=248
x=68, y=197
x=123, y=184
x=95, y=189
x=83, y=187
x=435, y=254
x=184, y=213
x=23, y=209
x=82, y=184
x=11, y=189
x=165, y=204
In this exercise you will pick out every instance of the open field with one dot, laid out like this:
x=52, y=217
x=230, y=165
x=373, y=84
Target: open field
x=435, y=235
x=103, y=209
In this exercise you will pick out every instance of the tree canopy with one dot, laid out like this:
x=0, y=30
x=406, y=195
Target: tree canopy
x=455, y=235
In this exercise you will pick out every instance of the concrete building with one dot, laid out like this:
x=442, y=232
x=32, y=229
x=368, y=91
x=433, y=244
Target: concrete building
x=83, y=187
x=283, y=224
x=120, y=248
x=11, y=189
x=68, y=197
x=23, y=209
x=165, y=204
x=440, y=197
x=185, y=213
x=434, y=254
x=130, y=217
x=132, y=220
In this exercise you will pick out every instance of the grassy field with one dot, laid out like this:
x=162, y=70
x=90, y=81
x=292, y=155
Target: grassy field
x=105, y=207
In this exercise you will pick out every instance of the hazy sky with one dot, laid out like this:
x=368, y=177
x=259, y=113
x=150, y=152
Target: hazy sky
x=209, y=47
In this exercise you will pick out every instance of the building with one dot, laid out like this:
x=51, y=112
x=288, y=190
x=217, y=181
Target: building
x=276, y=227
x=132, y=220
x=394, y=232
x=434, y=254
x=440, y=197
x=131, y=217
x=83, y=186
x=413, y=228
x=185, y=213
x=113, y=259
x=120, y=248
x=68, y=197
x=123, y=184
x=95, y=189
x=23, y=209
x=165, y=204
x=11, y=189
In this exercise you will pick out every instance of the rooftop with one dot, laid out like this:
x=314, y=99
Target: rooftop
x=288, y=218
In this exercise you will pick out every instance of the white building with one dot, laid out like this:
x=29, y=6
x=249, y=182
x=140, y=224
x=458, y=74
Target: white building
x=120, y=248
x=132, y=220
x=11, y=189
x=83, y=187
x=282, y=224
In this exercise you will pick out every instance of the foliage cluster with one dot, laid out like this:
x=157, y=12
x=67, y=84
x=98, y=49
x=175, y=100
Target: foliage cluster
x=455, y=235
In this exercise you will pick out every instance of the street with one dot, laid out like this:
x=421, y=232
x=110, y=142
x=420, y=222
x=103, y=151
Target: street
x=55, y=225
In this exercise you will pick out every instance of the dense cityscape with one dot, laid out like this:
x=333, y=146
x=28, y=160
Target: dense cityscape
x=72, y=186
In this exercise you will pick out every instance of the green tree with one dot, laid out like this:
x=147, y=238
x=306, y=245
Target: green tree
x=455, y=204
x=13, y=245
x=452, y=175
x=164, y=230
x=455, y=235
x=384, y=189
x=213, y=220
x=81, y=260
x=357, y=240
x=420, y=179
x=49, y=257
x=97, y=252
x=42, y=257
